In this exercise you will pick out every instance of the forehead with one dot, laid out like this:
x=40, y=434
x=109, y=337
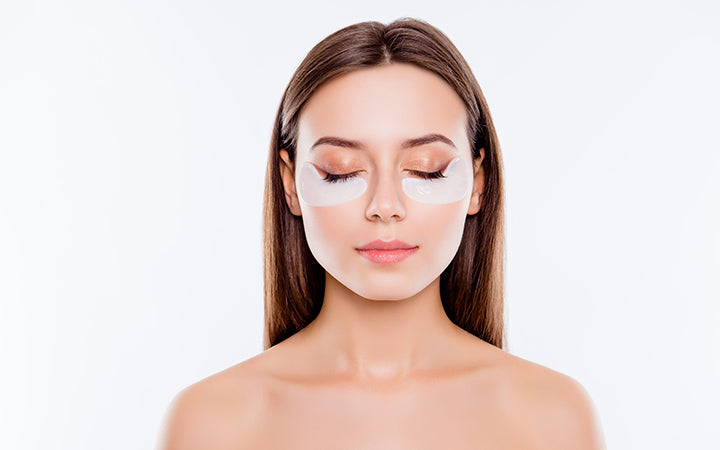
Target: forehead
x=383, y=106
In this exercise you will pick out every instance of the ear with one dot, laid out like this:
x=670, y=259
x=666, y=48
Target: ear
x=478, y=184
x=287, y=173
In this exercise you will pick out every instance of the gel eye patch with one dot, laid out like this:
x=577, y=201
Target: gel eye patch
x=315, y=191
x=456, y=183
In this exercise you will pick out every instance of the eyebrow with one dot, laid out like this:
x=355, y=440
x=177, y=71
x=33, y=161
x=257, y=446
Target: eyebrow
x=409, y=143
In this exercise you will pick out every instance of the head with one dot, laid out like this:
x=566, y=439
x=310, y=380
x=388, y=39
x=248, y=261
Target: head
x=405, y=107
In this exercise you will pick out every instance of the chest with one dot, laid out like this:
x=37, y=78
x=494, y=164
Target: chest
x=430, y=418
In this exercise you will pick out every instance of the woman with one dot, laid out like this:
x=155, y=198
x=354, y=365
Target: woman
x=384, y=270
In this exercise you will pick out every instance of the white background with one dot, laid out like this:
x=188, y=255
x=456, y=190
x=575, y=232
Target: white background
x=133, y=144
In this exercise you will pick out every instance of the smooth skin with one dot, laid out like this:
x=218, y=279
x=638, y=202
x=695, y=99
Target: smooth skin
x=382, y=366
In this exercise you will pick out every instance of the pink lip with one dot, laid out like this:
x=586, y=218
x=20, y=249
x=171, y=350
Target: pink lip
x=377, y=244
x=386, y=256
x=391, y=252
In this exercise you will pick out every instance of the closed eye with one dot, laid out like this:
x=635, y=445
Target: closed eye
x=337, y=178
x=429, y=175
x=333, y=178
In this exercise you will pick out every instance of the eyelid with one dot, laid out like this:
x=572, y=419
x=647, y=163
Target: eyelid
x=424, y=165
x=341, y=177
x=336, y=156
x=421, y=171
x=428, y=167
x=343, y=173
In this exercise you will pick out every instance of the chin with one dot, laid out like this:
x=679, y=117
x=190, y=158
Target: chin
x=384, y=298
x=378, y=290
x=381, y=283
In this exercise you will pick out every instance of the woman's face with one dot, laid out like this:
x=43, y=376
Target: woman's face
x=373, y=115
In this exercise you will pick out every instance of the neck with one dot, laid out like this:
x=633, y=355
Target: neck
x=381, y=339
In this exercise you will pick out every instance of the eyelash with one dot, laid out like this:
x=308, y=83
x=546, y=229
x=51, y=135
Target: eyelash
x=332, y=178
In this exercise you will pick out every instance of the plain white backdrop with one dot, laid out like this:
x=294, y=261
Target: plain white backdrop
x=133, y=144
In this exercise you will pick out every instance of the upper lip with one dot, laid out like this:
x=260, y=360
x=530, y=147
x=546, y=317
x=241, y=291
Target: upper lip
x=377, y=244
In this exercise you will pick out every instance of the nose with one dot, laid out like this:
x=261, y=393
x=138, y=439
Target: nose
x=386, y=201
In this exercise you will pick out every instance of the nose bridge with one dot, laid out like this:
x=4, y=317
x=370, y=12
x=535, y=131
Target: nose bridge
x=387, y=199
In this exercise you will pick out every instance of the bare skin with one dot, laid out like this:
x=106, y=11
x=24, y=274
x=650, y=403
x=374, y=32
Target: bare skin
x=481, y=398
x=382, y=366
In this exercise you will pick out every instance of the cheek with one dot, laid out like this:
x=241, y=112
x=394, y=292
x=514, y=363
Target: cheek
x=441, y=220
x=441, y=231
x=329, y=229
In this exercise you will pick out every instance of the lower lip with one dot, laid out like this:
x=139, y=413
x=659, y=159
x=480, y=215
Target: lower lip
x=387, y=256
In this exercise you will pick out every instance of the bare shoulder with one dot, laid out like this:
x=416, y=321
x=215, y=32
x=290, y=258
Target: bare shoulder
x=216, y=413
x=549, y=409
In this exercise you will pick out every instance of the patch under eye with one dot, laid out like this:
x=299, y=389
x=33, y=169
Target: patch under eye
x=456, y=184
x=313, y=190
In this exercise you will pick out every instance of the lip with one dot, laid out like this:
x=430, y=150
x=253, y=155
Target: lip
x=386, y=252
x=395, y=244
x=387, y=256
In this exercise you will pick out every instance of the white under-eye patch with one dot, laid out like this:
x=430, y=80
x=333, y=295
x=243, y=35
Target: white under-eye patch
x=313, y=190
x=455, y=185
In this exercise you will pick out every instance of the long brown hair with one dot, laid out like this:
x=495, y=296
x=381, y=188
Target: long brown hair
x=472, y=285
